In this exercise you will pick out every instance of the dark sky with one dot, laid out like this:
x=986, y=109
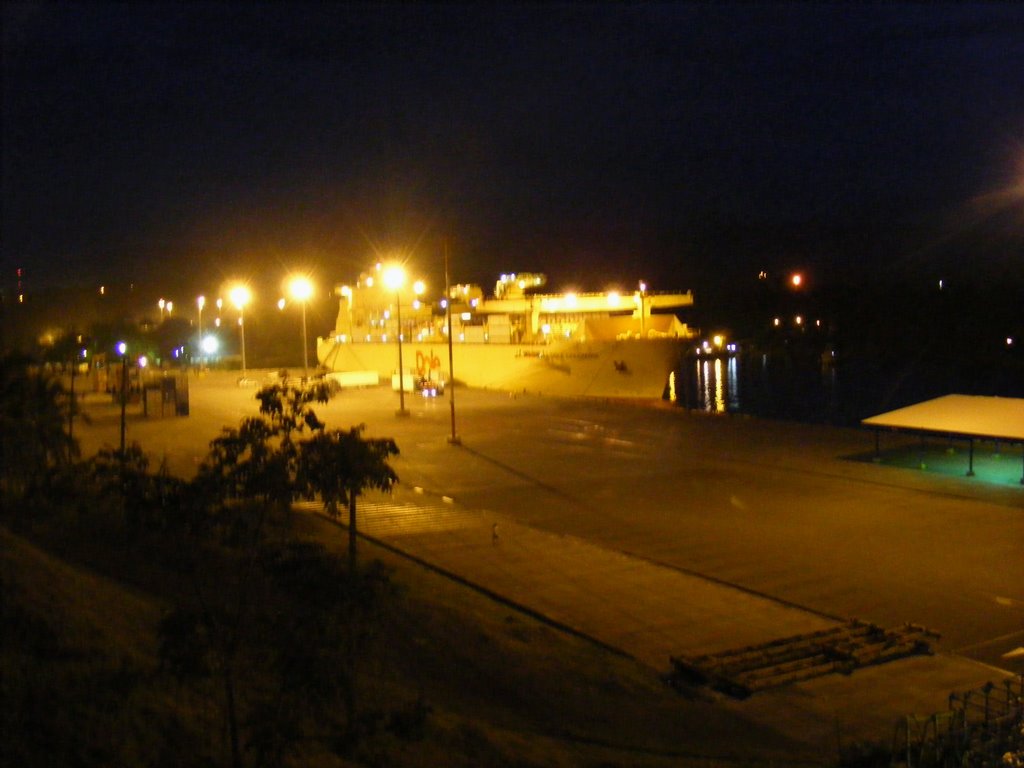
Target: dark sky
x=189, y=142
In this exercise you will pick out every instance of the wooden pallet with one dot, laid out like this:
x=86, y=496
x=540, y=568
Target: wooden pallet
x=743, y=671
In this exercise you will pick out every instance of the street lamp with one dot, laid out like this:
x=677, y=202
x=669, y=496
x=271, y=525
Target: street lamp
x=394, y=278
x=161, y=304
x=301, y=289
x=122, y=348
x=643, y=294
x=240, y=295
x=200, y=302
x=454, y=438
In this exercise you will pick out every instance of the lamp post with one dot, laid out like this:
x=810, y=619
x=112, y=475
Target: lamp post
x=200, y=302
x=643, y=293
x=301, y=288
x=240, y=296
x=453, y=438
x=122, y=348
x=394, y=278
x=161, y=304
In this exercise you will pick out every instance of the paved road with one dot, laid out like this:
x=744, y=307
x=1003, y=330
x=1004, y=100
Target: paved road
x=697, y=532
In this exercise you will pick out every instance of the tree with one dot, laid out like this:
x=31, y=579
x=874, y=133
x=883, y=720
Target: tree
x=246, y=577
x=338, y=466
x=34, y=439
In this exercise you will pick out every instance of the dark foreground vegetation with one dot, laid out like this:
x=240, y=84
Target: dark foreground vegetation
x=150, y=621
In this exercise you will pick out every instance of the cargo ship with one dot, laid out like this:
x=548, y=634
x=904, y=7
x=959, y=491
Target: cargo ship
x=520, y=339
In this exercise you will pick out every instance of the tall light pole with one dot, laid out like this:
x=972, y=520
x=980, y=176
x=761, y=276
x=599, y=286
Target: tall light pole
x=394, y=278
x=200, y=302
x=161, y=304
x=454, y=438
x=301, y=288
x=643, y=293
x=122, y=349
x=240, y=295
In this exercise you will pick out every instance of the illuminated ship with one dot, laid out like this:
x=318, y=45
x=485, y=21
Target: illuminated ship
x=519, y=340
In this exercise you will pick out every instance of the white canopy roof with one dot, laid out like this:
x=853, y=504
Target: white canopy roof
x=968, y=415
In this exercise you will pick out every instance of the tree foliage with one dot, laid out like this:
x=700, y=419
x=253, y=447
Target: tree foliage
x=247, y=613
x=34, y=440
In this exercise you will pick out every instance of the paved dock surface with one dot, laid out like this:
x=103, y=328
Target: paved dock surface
x=660, y=532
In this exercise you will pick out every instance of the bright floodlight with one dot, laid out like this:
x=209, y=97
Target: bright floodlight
x=121, y=347
x=394, y=277
x=210, y=345
x=240, y=295
x=300, y=288
x=201, y=302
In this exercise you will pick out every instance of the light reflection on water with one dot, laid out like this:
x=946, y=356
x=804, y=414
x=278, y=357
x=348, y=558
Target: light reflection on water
x=718, y=389
x=814, y=388
x=758, y=386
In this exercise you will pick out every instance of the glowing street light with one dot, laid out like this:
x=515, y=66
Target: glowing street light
x=301, y=289
x=394, y=279
x=240, y=295
x=122, y=349
x=161, y=304
x=201, y=302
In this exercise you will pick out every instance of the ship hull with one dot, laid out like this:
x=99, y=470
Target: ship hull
x=626, y=368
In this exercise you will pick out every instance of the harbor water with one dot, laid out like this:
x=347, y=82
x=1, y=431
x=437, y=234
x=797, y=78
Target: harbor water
x=818, y=389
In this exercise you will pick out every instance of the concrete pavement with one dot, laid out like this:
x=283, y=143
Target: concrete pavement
x=660, y=533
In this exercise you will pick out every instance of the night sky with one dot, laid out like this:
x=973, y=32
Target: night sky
x=682, y=144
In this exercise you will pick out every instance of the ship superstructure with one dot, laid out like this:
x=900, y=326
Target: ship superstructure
x=607, y=344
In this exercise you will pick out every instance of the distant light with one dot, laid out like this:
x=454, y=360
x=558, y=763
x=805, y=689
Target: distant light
x=614, y=298
x=545, y=329
x=201, y=302
x=121, y=347
x=718, y=340
x=571, y=300
x=416, y=304
x=466, y=316
x=762, y=275
x=210, y=345
x=776, y=322
x=103, y=289
x=796, y=279
x=941, y=285
x=144, y=361
x=346, y=291
x=216, y=322
x=394, y=277
x=444, y=303
x=170, y=306
x=799, y=320
x=281, y=303
x=1009, y=341
x=643, y=287
x=474, y=302
x=419, y=287
x=240, y=295
x=300, y=288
